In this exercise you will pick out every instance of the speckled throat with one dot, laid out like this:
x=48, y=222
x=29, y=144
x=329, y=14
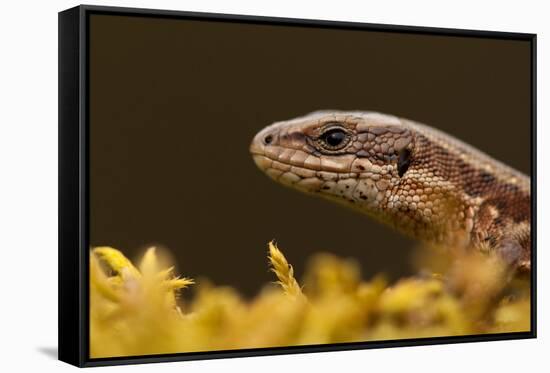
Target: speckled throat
x=421, y=181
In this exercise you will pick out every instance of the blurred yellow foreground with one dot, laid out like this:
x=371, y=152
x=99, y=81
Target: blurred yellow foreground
x=135, y=310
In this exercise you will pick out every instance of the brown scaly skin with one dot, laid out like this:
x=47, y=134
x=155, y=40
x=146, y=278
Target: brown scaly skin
x=421, y=181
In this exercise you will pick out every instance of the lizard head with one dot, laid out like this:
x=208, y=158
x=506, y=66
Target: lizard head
x=356, y=158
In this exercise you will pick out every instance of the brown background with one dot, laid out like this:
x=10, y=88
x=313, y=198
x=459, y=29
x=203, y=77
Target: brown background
x=174, y=105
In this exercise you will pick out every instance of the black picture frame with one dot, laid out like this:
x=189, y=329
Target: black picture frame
x=74, y=188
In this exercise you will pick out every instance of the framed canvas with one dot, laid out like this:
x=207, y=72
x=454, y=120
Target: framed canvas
x=235, y=186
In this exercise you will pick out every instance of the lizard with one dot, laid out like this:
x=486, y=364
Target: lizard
x=419, y=180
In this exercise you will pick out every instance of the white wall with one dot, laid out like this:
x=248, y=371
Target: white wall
x=28, y=182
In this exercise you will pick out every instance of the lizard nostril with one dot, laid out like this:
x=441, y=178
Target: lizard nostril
x=268, y=139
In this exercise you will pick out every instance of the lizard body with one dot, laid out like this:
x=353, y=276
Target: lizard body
x=419, y=180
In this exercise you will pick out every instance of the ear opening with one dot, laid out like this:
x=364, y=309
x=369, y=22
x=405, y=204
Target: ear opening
x=403, y=161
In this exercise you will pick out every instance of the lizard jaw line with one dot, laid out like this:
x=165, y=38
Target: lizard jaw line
x=264, y=162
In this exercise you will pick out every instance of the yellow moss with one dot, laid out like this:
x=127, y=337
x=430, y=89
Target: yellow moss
x=283, y=271
x=116, y=261
x=513, y=316
x=135, y=310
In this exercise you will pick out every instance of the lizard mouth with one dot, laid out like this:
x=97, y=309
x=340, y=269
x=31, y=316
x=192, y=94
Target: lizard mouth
x=282, y=164
x=286, y=173
x=289, y=166
x=294, y=166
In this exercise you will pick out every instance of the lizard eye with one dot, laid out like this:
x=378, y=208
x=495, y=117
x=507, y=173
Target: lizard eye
x=334, y=139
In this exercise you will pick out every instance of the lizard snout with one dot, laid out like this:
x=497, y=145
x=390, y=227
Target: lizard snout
x=265, y=138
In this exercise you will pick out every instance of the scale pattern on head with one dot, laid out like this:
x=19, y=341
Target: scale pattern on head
x=424, y=183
